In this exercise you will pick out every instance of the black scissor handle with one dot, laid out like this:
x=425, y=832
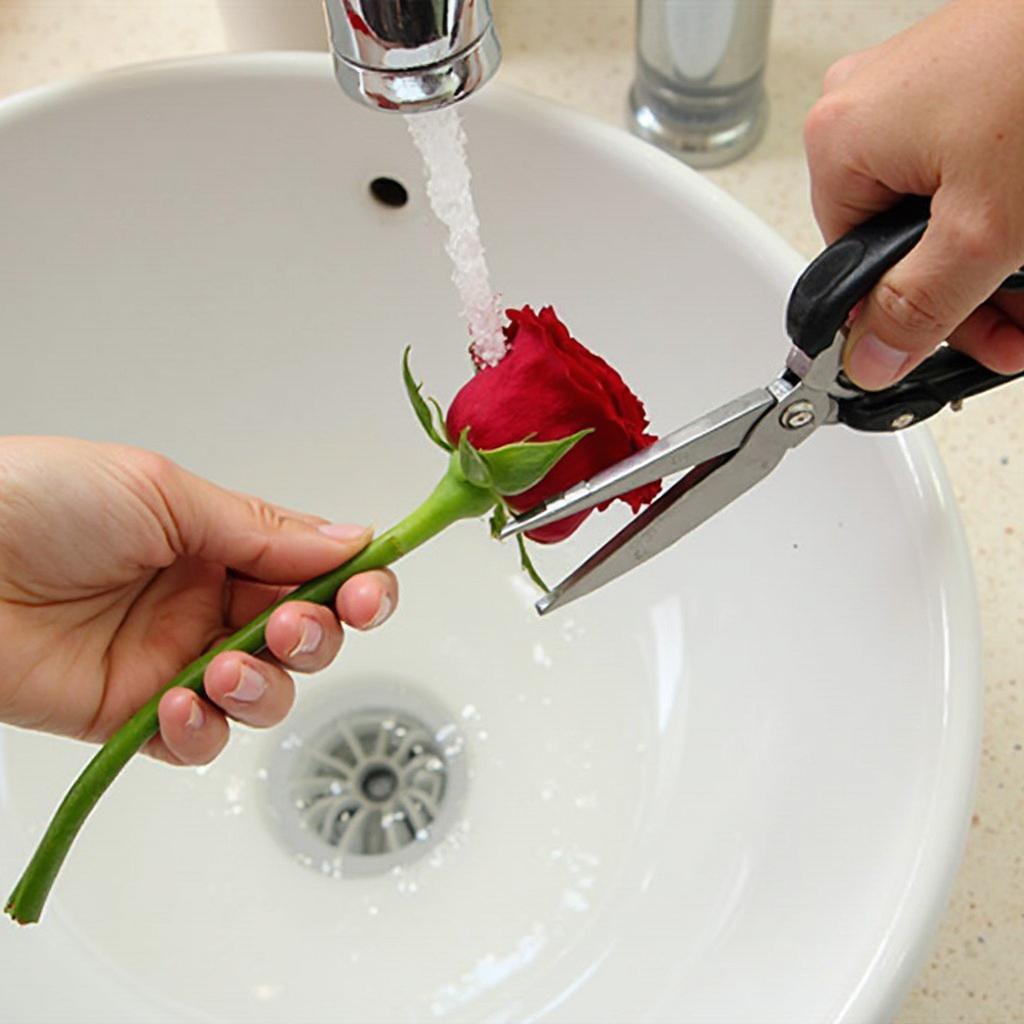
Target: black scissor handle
x=944, y=377
x=837, y=279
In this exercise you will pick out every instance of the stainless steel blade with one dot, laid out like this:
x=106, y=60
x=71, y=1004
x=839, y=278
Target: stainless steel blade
x=697, y=496
x=716, y=433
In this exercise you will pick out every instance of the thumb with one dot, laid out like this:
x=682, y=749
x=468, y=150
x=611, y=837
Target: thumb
x=956, y=266
x=261, y=540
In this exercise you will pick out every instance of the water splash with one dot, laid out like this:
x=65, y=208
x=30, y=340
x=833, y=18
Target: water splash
x=441, y=140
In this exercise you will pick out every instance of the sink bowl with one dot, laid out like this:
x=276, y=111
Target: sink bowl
x=732, y=787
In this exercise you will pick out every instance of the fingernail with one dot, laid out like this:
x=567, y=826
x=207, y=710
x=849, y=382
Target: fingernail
x=250, y=686
x=310, y=638
x=384, y=610
x=872, y=364
x=196, y=716
x=345, y=532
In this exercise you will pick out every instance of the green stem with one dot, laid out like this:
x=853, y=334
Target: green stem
x=453, y=499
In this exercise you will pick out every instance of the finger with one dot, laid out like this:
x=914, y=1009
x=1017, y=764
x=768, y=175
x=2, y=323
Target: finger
x=253, y=536
x=249, y=689
x=994, y=334
x=842, y=198
x=304, y=637
x=157, y=749
x=369, y=599
x=245, y=599
x=192, y=730
x=844, y=192
x=291, y=513
x=956, y=266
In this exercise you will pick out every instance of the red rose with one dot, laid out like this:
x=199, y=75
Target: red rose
x=549, y=386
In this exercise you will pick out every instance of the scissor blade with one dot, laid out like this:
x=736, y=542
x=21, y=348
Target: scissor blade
x=683, y=507
x=714, y=434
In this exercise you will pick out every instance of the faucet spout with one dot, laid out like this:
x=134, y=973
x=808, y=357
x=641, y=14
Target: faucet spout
x=412, y=55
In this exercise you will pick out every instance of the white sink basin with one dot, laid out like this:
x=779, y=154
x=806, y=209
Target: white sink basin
x=733, y=787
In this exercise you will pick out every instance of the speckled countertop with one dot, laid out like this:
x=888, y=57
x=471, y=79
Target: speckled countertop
x=580, y=53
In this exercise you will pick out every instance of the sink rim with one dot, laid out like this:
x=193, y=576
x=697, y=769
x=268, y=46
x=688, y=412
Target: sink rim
x=904, y=945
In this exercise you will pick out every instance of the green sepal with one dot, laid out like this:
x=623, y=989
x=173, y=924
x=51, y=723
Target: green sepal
x=420, y=406
x=515, y=468
x=472, y=464
x=440, y=419
x=526, y=562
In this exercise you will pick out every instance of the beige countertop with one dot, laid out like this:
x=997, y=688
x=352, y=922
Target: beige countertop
x=580, y=53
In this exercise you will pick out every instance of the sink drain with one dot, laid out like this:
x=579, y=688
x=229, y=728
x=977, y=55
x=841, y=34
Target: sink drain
x=366, y=781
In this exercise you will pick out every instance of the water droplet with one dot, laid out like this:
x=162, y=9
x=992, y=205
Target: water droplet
x=573, y=900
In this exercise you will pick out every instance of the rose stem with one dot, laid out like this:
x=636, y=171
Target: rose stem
x=453, y=499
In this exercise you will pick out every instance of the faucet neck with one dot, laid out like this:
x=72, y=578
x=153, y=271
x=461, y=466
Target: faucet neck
x=408, y=55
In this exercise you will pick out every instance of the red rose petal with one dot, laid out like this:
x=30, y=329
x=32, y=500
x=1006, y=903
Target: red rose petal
x=550, y=386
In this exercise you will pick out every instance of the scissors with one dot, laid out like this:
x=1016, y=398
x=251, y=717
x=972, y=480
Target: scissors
x=729, y=450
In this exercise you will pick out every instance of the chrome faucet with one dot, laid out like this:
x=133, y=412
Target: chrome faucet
x=698, y=91
x=412, y=55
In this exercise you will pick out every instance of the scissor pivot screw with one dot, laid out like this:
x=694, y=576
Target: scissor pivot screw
x=903, y=420
x=797, y=415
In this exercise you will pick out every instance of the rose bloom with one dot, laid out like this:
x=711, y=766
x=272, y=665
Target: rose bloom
x=549, y=386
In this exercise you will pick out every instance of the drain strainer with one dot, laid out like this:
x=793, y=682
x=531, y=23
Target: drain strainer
x=366, y=781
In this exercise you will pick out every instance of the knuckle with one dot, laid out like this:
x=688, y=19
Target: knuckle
x=827, y=122
x=838, y=72
x=987, y=235
x=915, y=308
x=155, y=468
x=259, y=551
x=264, y=516
x=154, y=479
x=266, y=522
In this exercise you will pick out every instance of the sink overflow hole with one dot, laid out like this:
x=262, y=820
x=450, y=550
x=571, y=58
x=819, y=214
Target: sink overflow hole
x=389, y=192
